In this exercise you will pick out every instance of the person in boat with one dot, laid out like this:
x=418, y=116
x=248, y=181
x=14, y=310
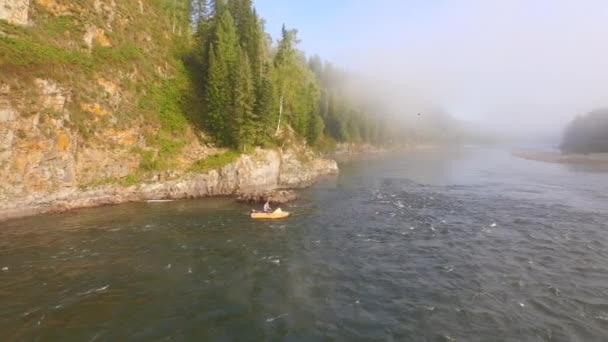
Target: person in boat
x=267, y=208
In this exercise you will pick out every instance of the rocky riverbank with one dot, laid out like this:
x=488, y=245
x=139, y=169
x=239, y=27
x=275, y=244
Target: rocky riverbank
x=262, y=170
x=96, y=118
x=353, y=149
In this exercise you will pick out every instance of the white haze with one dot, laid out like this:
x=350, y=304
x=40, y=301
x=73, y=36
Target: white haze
x=522, y=67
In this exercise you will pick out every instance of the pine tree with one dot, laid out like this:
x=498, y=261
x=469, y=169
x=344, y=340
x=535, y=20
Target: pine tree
x=199, y=59
x=200, y=12
x=217, y=95
x=316, y=65
x=244, y=120
x=281, y=65
x=255, y=50
x=249, y=31
x=292, y=78
x=242, y=13
x=265, y=103
x=315, y=129
x=251, y=88
x=221, y=76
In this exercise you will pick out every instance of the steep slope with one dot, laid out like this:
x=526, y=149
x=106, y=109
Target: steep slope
x=95, y=99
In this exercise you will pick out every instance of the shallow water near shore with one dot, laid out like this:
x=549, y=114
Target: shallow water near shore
x=464, y=244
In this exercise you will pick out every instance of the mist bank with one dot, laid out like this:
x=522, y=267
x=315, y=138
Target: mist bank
x=514, y=68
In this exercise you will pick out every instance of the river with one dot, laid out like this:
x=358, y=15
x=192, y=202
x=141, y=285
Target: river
x=466, y=244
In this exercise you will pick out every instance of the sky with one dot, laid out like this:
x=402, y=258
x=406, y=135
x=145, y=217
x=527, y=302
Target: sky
x=524, y=66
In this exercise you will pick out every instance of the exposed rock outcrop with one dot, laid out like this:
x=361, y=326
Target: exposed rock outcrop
x=91, y=111
x=264, y=169
x=349, y=149
x=272, y=196
x=300, y=167
x=97, y=36
x=15, y=11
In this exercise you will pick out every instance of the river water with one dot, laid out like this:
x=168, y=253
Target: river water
x=463, y=244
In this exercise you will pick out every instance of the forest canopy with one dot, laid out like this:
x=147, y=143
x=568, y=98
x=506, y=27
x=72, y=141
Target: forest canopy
x=252, y=87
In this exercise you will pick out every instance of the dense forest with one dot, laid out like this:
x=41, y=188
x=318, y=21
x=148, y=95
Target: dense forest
x=587, y=133
x=252, y=88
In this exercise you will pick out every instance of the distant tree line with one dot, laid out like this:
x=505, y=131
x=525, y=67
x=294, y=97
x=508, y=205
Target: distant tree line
x=587, y=133
x=251, y=88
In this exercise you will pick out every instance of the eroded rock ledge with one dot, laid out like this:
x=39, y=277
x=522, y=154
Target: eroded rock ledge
x=275, y=196
x=261, y=171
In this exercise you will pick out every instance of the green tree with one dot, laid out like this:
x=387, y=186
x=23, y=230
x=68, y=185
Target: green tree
x=315, y=129
x=265, y=104
x=221, y=76
x=245, y=123
x=251, y=88
x=200, y=12
x=286, y=70
x=217, y=96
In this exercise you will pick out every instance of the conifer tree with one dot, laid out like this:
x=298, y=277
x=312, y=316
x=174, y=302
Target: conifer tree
x=315, y=128
x=217, y=95
x=200, y=15
x=265, y=103
x=252, y=87
x=221, y=76
x=285, y=68
x=243, y=117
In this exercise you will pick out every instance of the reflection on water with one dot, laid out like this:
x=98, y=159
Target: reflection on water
x=428, y=245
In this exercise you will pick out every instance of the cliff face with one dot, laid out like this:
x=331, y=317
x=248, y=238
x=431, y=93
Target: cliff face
x=95, y=106
x=264, y=169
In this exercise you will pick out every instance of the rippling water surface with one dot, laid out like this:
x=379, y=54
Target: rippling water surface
x=427, y=245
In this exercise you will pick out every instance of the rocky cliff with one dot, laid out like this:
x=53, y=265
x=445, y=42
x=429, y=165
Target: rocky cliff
x=264, y=169
x=95, y=109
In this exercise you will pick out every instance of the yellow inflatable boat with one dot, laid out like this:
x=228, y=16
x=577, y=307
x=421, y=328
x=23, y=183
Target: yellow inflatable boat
x=277, y=214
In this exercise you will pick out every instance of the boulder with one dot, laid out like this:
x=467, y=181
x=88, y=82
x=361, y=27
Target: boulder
x=272, y=196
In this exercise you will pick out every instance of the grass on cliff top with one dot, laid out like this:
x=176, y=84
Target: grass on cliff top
x=163, y=105
x=163, y=159
x=128, y=181
x=26, y=52
x=166, y=100
x=215, y=162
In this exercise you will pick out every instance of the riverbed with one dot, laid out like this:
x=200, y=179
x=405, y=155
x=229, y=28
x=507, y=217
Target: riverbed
x=469, y=244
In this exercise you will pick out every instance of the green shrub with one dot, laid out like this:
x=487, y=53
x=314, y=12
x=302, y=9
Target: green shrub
x=215, y=162
x=165, y=103
x=56, y=26
x=130, y=180
x=25, y=52
x=149, y=162
x=116, y=55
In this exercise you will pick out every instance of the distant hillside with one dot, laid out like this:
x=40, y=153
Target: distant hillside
x=587, y=134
